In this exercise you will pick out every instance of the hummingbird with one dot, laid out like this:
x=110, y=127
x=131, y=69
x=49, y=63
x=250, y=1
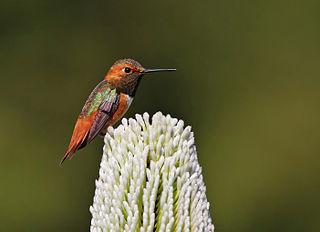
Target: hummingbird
x=107, y=103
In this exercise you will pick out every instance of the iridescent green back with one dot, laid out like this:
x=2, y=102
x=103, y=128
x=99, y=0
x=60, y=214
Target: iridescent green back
x=102, y=92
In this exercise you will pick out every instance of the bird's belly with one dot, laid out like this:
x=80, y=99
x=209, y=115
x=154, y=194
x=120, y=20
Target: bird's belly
x=124, y=103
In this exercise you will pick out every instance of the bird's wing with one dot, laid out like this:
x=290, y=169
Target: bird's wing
x=98, y=108
x=105, y=111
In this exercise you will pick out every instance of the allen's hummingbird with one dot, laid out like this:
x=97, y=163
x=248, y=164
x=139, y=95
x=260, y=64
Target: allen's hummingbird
x=107, y=103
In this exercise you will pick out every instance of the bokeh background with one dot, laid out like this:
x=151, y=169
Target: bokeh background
x=247, y=82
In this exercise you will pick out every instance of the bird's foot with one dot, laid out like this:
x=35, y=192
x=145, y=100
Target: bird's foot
x=102, y=134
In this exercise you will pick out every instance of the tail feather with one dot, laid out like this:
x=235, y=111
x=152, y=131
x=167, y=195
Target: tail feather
x=79, y=136
x=67, y=154
x=73, y=147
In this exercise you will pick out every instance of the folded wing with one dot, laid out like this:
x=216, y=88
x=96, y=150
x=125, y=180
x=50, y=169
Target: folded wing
x=99, y=108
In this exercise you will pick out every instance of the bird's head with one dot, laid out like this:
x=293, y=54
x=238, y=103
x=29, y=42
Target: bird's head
x=125, y=75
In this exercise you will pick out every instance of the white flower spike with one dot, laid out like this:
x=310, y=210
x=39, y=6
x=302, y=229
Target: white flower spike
x=150, y=179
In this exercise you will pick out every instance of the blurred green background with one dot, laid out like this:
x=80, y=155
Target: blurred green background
x=247, y=82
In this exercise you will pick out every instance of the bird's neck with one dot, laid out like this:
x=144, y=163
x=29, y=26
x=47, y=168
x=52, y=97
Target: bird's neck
x=125, y=85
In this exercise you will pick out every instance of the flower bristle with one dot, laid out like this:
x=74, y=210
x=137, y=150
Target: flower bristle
x=150, y=179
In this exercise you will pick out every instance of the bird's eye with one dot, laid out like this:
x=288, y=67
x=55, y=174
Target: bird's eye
x=127, y=70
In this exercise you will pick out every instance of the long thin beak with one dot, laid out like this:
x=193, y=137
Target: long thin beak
x=158, y=70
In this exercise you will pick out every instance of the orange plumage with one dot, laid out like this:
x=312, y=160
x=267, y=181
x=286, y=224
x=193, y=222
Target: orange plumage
x=80, y=132
x=107, y=103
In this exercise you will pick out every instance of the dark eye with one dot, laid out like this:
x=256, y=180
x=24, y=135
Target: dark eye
x=127, y=70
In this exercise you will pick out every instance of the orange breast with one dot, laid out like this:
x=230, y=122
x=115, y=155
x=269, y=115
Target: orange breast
x=124, y=104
